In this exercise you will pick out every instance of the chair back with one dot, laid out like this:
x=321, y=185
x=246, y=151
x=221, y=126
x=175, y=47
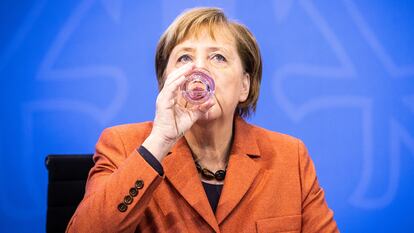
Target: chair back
x=66, y=187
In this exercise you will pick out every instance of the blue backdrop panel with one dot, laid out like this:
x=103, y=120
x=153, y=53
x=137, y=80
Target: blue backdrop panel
x=337, y=74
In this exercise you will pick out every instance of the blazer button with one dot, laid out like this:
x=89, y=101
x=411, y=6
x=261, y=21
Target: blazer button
x=139, y=184
x=128, y=200
x=122, y=207
x=133, y=192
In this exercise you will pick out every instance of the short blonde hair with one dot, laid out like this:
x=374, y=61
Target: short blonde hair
x=195, y=20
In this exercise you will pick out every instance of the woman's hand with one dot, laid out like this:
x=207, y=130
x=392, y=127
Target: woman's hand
x=171, y=119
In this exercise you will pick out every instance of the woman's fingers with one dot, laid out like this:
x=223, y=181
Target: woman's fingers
x=169, y=92
x=184, y=70
x=206, y=106
x=200, y=111
x=173, y=81
x=203, y=109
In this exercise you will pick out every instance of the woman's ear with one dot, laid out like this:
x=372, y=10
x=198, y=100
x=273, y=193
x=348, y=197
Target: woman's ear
x=245, y=87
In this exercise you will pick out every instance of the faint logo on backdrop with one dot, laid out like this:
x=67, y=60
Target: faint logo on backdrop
x=398, y=135
x=49, y=73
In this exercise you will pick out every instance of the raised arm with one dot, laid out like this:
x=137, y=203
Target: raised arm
x=118, y=189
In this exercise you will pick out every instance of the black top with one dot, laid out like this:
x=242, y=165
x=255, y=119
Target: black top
x=213, y=191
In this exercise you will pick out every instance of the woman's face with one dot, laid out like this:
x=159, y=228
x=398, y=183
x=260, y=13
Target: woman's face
x=219, y=59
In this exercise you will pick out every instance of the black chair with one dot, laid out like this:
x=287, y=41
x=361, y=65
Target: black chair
x=67, y=179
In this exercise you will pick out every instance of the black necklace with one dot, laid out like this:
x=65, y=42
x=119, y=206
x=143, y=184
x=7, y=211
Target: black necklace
x=209, y=175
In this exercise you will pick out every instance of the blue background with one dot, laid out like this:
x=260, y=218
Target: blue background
x=337, y=74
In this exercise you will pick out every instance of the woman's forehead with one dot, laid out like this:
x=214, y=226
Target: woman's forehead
x=208, y=38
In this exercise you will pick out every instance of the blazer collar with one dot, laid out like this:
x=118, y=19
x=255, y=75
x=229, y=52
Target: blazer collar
x=244, y=141
x=180, y=170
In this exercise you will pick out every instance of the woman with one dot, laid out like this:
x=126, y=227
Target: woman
x=201, y=167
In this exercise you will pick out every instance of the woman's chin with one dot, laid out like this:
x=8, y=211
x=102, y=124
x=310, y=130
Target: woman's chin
x=210, y=116
x=206, y=118
x=214, y=115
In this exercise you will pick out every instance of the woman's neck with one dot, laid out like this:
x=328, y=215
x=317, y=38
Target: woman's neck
x=210, y=143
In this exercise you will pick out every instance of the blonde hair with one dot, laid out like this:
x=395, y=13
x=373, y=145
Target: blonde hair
x=192, y=22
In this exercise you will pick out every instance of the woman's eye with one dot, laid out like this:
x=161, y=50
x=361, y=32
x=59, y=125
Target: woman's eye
x=184, y=58
x=219, y=57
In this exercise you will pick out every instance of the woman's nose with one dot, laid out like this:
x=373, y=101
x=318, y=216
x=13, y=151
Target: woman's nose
x=200, y=63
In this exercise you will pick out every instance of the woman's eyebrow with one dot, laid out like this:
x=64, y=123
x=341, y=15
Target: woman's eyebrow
x=209, y=49
x=215, y=48
x=187, y=49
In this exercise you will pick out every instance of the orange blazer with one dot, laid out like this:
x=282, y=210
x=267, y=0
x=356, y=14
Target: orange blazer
x=270, y=186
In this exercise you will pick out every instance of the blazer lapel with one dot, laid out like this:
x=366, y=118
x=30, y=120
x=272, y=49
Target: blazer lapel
x=241, y=171
x=180, y=170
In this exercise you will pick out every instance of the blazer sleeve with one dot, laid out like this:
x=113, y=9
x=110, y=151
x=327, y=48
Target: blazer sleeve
x=316, y=216
x=112, y=181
